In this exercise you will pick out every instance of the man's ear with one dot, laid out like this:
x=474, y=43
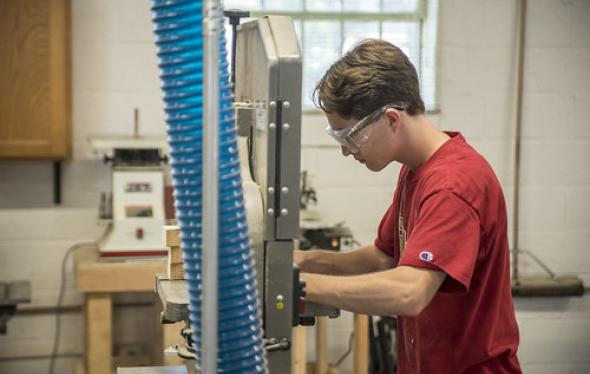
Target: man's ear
x=393, y=117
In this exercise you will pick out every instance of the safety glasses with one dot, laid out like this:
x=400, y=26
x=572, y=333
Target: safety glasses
x=354, y=137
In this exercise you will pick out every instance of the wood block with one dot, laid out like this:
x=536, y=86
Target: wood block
x=172, y=236
x=175, y=261
x=175, y=271
x=175, y=255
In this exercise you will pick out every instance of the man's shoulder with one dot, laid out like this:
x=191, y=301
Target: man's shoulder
x=464, y=172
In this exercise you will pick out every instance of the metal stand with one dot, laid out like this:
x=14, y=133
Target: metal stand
x=234, y=16
x=57, y=182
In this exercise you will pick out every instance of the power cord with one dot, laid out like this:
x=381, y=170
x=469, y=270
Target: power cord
x=347, y=353
x=62, y=287
x=537, y=260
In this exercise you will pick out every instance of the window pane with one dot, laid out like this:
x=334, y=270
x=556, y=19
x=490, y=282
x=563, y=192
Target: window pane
x=400, y=6
x=283, y=5
x=405, y=35
x=355, y=31
x=228, y=42
x=242, y=4
x=322, y=42
x=322, y=47
x=364, y=6
x=428, y=57
x=323, y=5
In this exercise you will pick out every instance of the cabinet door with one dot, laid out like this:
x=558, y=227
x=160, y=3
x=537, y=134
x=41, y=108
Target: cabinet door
x=35, y=79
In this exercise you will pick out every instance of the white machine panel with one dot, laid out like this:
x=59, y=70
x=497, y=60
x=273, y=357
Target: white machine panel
x=138, y=212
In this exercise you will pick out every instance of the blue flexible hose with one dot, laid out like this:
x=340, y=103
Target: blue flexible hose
x=178, y=26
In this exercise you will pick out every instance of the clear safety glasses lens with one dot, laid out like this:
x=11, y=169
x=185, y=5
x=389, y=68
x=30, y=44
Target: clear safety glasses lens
x=354, y=137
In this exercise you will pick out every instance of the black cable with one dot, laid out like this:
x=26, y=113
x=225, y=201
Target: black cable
x=347, y=353
x=62, y=287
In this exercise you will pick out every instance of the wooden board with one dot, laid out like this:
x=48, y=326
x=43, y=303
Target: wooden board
x=172, y=236
x=175, y=267
x=95, y=275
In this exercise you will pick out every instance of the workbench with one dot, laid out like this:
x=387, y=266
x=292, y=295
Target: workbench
x=98, y=280
x=174, y=297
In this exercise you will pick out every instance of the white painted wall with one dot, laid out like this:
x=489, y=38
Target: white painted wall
x=115, y=71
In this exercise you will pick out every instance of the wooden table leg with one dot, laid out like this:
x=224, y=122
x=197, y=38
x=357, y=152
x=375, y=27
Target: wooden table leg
x=321, y=345
x=361, y=344
x=157, y=333
x=298, y=361
x=98, y=318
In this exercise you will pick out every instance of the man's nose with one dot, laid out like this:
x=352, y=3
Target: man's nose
x=345, y=151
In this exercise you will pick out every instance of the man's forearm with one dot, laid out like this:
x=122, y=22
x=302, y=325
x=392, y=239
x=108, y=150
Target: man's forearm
x=400, y=291
x=363, y=260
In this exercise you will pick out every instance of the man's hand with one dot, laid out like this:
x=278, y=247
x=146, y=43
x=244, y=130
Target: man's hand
x=299, y=258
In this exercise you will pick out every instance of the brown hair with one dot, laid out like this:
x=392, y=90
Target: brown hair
x=373, y=74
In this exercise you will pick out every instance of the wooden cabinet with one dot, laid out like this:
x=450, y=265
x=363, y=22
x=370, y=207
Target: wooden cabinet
x=35, y=79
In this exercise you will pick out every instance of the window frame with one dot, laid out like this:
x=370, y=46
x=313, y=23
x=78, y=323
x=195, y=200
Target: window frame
x=423, y=14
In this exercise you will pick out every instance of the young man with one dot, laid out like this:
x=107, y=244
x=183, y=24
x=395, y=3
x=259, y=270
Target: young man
x=440, y=261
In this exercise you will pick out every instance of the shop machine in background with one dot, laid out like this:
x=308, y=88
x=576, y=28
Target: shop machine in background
x=134, y=208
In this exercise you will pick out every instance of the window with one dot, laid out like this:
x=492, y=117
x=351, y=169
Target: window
x=328, y=28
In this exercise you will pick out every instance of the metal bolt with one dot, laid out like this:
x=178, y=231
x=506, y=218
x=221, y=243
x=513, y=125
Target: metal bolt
x=285, y=190
x=284, y=212
x=270, y=212
x=271, y=190
x=286, y=126
x=286, y=105
x=272, y=126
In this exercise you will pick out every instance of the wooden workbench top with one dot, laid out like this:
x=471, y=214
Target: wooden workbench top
x=94, y=274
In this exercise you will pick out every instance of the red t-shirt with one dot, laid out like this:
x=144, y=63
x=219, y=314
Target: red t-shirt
x=454, y=214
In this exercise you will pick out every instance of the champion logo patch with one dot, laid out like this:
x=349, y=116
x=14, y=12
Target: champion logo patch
x=426, y=256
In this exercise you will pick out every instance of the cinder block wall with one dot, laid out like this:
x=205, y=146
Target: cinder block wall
x=114, y=71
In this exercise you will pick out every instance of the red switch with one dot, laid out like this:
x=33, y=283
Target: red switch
x=139, y=233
